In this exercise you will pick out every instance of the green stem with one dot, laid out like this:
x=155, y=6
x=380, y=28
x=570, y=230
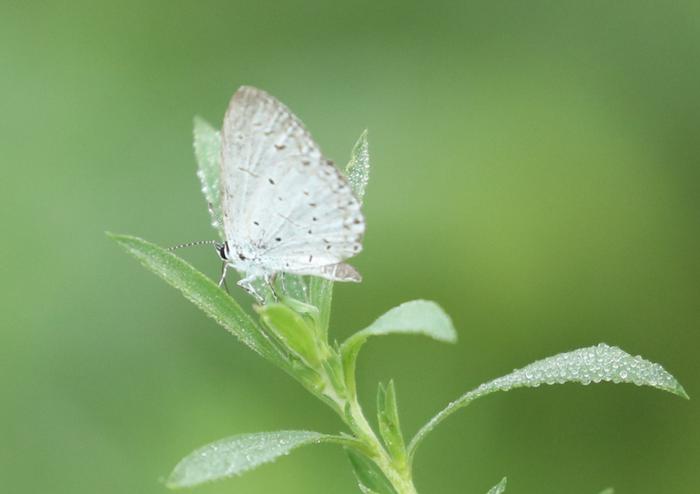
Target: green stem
x=341, y=396
x=399, y=475
x=348, y=408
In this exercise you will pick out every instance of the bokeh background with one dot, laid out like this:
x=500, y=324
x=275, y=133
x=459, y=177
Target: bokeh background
x=535, y=171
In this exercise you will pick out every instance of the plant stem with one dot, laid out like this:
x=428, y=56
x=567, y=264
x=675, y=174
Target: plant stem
x=399, y=475
x=342, y=398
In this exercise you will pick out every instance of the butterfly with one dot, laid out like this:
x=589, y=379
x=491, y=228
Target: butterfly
x=278, y=204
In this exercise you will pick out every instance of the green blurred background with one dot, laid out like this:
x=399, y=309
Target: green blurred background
x=535, y=171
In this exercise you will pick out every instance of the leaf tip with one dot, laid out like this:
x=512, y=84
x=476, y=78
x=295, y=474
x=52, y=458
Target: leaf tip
x=171, y=482
x=124, y=240
x=500, y=487
x=680, y=391
x=117, y=237
x=199, y=122
x=177, y=480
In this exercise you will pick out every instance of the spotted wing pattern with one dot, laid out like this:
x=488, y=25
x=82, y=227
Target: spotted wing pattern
x=285, y=207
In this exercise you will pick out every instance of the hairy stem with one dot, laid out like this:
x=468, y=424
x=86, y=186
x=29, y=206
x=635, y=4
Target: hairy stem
x=347, y=405
x=399, y=475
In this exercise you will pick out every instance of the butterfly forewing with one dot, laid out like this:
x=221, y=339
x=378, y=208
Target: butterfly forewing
x=285, y=206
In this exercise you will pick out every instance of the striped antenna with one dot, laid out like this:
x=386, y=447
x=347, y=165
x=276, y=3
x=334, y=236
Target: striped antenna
x=192, y=244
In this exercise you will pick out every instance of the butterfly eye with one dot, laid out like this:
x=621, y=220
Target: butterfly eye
x=223, y=251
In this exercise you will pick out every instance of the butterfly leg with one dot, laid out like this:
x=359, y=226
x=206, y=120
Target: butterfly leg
x=270, y=286
x=222, y=280
x=249, y=285
x=271, y=283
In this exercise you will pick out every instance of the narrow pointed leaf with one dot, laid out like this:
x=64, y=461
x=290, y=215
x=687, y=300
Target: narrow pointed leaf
x=369, y=477
x=357, y=169
x=388, y=420
x=201, y=291
x=499, y=488
x=238, y=454
x=321, y=296
x=600, y=363
x=207, y=151
x=415, y=317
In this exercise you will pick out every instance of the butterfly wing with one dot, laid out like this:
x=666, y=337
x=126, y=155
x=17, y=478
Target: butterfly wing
x=285, y=207
x=334, y=272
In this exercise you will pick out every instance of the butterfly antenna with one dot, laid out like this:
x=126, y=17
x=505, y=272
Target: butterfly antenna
x=193, y=244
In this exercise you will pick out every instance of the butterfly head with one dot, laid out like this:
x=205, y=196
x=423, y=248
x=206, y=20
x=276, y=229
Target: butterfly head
x=224, y=251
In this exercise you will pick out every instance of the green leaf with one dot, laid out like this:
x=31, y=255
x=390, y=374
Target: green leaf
x=388, y=419
x=321, y=296
x=334, y=370
x=499, y=488
x=416, y=317
x=586, y=365
x=293, y=286
x=207, y=151
x=203, y=292
x=357, y=169
x=609, y=490
x=369, y=476
x=238, y=454
x=293, y=330
x=365, y=490
x=305, y=309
